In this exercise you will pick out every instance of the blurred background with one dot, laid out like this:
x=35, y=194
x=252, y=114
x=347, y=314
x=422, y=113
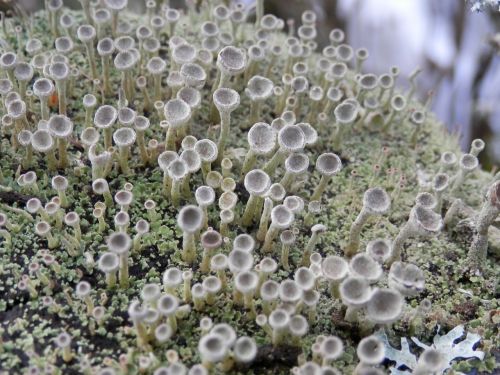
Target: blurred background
x=456, y=48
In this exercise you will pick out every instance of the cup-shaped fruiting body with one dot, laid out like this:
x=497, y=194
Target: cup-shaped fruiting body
x=345, y=115
x=24, y=73
x=125, y=62
x=422, y=222
x=212, y=286
x=43, y=229
x=190, y=220
x=212, y=348
x=150, y=293
x=194, y=75
x=207, y=150
x=156, y=67
x=167, y=306
x=124, y=138
x=375, y=202
x=355, y=293
x=8, y=62
x=239, y=261
x=261, y=141
x=406, y=278
x=370, y=351
x=89, y=102
x=257, y=183
x=124, y=199
x=193, y=164
x=120, y=243
x=61, y=128
x=59, y=72
x=82, y=291
x=431, y=361
x=72, y=219
x=362, y=265
x=385, y=306
x=63, y=341
x=330, y=349
x=291, y=139
x=379, y=249
x=426, y=200
x=42, y=141
x=43, y=88
x=177, y=172
x=316, y=231
x=115, y=6
x=104, y=118
x=489, y=212
x=141, y=228
x=60, y=184
x=334, y=269
x=100, y=186
x=440, y=184
x=105, y=49
x=278, y=321
x=172, y=278
x=226, y=100
x=210, y=240
x=467, y=164
x=205, y=196
x=245, y=285
x=258, y=90
x=448, y=161
x=177, y=114
x=295, y=165
x=231, y=61
x=476, y=146
x=328, y=165
x=281, y=218
x=164, y=160
x=86, y=34
x=138, y=314
x=417, y=119
x=244, y=350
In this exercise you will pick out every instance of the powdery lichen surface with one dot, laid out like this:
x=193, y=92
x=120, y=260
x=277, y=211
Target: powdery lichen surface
x=29, y=327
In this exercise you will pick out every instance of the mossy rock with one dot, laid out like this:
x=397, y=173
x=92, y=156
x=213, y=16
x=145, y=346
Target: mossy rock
x=400, y=159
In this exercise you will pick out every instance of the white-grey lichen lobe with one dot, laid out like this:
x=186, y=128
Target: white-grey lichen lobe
x=191, y=191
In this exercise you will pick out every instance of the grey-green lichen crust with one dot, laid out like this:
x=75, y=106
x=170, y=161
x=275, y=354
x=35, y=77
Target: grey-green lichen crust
x=29, y=327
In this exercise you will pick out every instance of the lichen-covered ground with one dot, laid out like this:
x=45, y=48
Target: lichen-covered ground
x=28, y=328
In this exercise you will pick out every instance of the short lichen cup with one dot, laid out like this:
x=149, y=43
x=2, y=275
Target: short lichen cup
x=43, y=142
x=43, y=88
x=328, y=165
x=422, y=222
x=334, y=269
x=109, y=263
x=124, y=138
x=258, y=90
x=257, y=183
x=281, y=218
x=104, y=119
x=261, y=141
x=177, y=114
x=226, y=100
x=345, y=115
x=231, y=61
x=375, y=202
x=385, y=306
x=468, y=163
x=291, y=139
x=190, y=220
x=120, y=244
x=487, y=215
x=355, y=293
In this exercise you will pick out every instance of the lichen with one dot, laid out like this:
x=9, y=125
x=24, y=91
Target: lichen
x=394, y=156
